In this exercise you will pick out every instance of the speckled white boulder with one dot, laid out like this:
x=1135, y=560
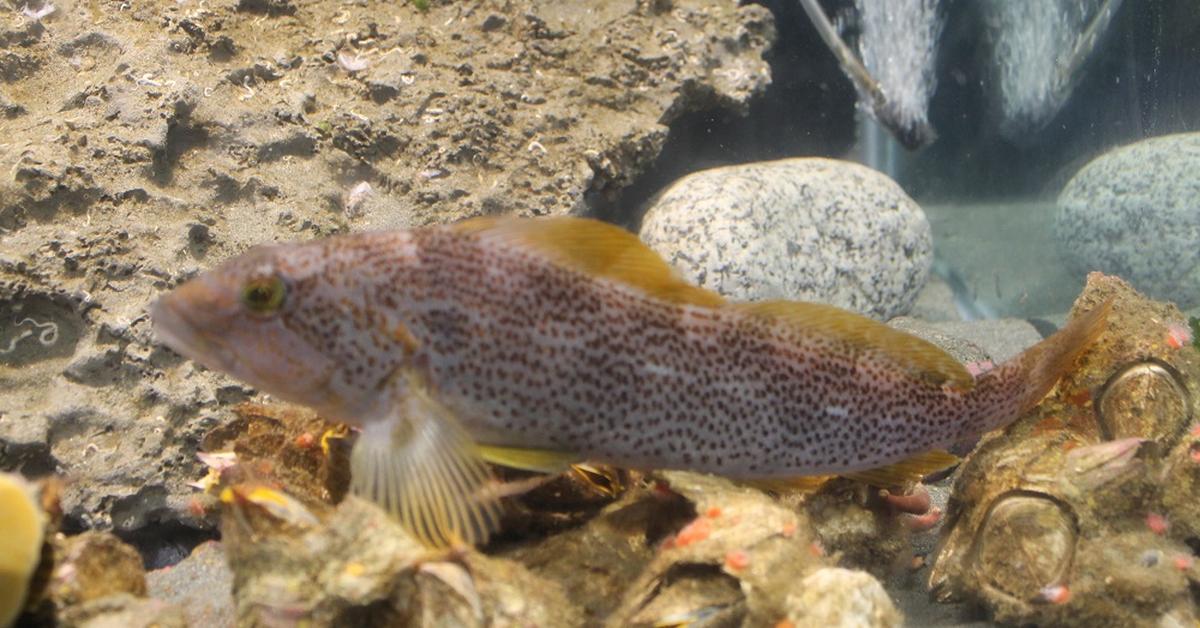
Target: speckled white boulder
x=842, y=597
x=804, y=229
x=1135, y=212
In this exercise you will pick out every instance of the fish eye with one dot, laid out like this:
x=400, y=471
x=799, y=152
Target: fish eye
x=264, y=295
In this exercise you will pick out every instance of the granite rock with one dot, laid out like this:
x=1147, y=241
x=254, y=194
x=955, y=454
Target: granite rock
x=1133, y=212
x=833, y=596
x=805, y=229
x=201, y=585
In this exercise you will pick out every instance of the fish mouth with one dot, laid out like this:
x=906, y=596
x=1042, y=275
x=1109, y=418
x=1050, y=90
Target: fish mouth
x=174, y=329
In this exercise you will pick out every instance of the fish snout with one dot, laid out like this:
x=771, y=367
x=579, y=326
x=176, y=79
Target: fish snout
x=203, y=294
x=190, y=316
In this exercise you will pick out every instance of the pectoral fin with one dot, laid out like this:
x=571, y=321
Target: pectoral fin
x=421, y=467
x=906, y=471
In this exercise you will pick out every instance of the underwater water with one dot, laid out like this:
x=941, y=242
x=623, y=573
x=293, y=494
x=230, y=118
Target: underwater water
x=1022, y=96
x=591, y=313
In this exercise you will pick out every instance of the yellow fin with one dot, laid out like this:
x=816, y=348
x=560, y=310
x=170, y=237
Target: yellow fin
x=906, y=471
x=596, y=248
x=538, y=460
x=421, y=467
x=920, y=358
x=802, y=484
x=23, y=525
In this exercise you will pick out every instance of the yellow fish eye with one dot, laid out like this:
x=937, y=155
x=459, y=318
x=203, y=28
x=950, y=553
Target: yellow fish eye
x=264, y=295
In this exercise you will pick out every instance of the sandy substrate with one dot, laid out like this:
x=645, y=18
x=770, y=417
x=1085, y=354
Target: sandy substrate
x=1007, y=256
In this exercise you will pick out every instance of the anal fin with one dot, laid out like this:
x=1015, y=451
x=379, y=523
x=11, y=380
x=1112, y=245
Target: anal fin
x=423, y=468
x=801, y=484
x=906, y=471
x=537, y=460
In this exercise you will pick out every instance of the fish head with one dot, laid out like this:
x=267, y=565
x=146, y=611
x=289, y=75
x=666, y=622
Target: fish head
x=237, y=319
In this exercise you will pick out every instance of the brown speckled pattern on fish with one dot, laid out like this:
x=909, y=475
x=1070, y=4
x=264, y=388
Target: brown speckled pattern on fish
x=534, y=354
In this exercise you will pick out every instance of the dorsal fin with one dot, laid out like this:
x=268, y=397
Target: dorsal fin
x=596, y=248
x=921, y=358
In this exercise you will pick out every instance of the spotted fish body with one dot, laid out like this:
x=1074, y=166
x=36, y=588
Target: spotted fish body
x=522, y=337
x=529, y=353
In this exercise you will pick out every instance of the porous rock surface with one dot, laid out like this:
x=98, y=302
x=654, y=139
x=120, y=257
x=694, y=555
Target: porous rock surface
x=808, y=229
x=1071, y=515
x=144, y=141
x=1133, y=212
x=833, y=596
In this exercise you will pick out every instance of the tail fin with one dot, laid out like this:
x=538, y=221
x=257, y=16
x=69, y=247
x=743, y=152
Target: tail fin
x=1011, y=389
x=1047, y=361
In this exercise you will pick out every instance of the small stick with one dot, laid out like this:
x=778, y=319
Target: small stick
x=868, y=88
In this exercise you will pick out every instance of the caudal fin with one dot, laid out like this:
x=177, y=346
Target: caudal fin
x=1011, y=389
x=1047, y=361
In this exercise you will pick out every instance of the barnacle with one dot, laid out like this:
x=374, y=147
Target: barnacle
x=21, y=528
x=276, y=504
x=335, y=433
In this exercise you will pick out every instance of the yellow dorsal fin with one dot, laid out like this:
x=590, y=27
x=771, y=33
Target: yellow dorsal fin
x=537, y=460
x=906, y=471
x=920, y=358
x=596, y=248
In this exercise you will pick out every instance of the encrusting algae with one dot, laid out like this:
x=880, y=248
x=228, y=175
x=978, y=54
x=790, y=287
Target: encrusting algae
x=538, y=343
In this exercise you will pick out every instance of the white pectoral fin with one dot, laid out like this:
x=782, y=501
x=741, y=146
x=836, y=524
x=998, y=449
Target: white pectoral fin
x=423, y=468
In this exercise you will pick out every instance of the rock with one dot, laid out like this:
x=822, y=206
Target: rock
x=1081, y=512
x=164, y=139
x=358, y=567
x=852, y=524
x=289, y=446
x=200, y=584
x=123, y=611
x=1132, y=212
x=95, y=565
x=804, y=229
x=595, y=562
x=841, y=597
x=493, y=22
x=740, y=560
x=384, y=84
